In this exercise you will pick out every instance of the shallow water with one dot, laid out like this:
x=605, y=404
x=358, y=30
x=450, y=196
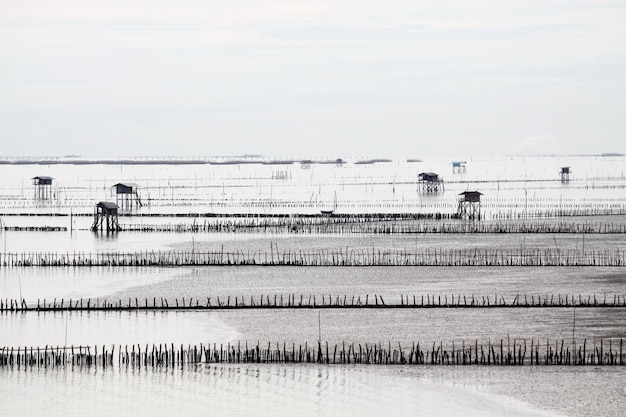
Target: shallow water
x=311, y=390
x=510, y=185
x=114, y=283
x=399, y=327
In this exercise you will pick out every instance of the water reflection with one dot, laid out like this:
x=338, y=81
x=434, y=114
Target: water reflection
x=261, y=390
x=107, y=236
x=112, y=328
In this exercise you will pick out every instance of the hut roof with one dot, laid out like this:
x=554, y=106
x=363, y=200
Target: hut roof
x=42, y=180
x=126, y=188
x=470, y=196
x=107, y=205
x=428, y=176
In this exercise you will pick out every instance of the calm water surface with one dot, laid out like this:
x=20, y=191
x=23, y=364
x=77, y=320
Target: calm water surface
x=510, y=185
x=302, y=390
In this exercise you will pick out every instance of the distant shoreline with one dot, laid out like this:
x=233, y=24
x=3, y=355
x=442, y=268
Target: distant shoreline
x=236, y=160
x=185, y=161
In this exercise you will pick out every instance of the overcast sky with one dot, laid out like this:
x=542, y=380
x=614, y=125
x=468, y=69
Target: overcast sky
x=300, y=78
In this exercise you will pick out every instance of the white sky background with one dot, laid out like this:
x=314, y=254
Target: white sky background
x=300, y=78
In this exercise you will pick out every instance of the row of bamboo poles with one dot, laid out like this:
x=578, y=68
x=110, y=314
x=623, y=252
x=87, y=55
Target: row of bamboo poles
x=372, y=225
x=324, y=257
x=517, y=211
x=379, y=223
x=498, y=208
x=291, y=301
x=34, y=228
x=517, y=353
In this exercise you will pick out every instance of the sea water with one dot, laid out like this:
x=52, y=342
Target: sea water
x=510, y=185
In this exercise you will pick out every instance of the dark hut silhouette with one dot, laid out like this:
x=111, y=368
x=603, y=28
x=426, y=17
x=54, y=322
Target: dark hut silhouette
x=430, y=182
x=127, y=194
x=469, y=205
x=43, y=187
x=105, y=217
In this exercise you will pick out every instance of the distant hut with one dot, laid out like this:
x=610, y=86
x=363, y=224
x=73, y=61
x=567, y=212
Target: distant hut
x=43, y=187
x=127, y=195
x=281, y=175
x=105, y=217
x=458, y=167
x=565, y=171
x=469, y=205
x=429, y=182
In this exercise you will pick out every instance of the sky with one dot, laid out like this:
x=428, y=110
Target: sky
x=301, y=78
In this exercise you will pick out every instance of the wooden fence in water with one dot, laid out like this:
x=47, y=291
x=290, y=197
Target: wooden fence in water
x=324, y=301
x=381, y=224
x=363, y=223
x=323, y=257
x=515, y=353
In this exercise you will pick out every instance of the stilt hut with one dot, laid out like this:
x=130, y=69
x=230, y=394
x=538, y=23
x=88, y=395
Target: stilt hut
x=105, y=217
x=429, y=182
x=469, y=205
x=565, y=171
x=458, y=167
x=43, y=187
x=127, y=195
